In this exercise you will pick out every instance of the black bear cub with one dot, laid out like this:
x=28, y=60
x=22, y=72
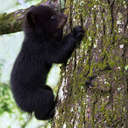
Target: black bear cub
x=43, y=45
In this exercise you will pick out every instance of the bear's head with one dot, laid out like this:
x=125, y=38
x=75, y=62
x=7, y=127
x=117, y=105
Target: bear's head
x=44, y=21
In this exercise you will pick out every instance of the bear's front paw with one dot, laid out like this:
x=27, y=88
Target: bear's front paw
x=78, y=33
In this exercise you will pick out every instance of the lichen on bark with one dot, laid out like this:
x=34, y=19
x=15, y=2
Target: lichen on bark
x=95, y=81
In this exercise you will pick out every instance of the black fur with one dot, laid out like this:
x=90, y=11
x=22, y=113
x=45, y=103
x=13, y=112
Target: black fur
x=43, y=45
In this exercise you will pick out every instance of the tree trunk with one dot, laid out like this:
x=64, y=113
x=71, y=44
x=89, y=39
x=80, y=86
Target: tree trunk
x=93, y=91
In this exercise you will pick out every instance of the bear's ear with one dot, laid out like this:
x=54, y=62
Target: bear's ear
x=31, y=18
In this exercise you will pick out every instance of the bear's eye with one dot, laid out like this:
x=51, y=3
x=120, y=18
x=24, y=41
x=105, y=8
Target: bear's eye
x=53, y=18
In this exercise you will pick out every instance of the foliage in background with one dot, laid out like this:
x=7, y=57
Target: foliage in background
x=6, y=102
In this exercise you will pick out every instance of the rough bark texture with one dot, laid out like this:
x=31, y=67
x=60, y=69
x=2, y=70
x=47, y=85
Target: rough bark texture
x=94, y=87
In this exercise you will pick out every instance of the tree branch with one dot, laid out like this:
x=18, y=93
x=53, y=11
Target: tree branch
x=12, y=22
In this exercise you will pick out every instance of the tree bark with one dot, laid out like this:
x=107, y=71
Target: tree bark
x=93, y=91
